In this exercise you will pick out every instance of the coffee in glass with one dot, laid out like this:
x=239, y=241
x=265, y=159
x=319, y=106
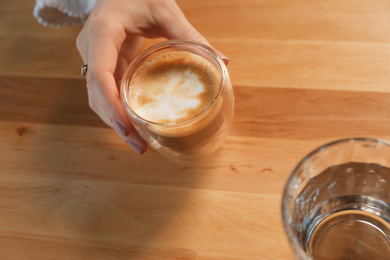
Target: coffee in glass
x=179, y=97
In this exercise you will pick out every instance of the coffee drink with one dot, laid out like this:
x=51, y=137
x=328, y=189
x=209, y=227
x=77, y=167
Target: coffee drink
x=180, y=101
x=174, y=87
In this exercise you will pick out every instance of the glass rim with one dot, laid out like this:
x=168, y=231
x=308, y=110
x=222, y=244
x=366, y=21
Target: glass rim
x=125, y=84
x=297, y=248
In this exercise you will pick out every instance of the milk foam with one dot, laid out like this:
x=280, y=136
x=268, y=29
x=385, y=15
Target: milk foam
x=173, y=87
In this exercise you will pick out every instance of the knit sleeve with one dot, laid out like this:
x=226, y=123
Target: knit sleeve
x=63, y=12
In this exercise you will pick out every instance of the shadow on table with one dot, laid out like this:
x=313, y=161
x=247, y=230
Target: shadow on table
x=90, y=195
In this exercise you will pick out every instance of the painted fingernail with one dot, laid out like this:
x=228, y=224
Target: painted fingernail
x=136, y=147
x=223, y=57
x=121, y=129
x=226, y=60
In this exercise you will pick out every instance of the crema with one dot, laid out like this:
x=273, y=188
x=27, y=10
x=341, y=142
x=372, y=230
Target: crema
x=173, y=87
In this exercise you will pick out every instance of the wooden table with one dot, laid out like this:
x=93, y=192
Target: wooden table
x=304, y=73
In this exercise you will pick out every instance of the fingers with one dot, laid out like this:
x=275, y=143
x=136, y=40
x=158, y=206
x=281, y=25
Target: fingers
x=106, y=103
x=129, y=49
x=99, y=49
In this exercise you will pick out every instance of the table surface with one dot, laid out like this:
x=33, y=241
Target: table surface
x=304, y=73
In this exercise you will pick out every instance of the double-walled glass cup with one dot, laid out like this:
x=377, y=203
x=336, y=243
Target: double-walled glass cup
x=336, y=202
x=199, y=135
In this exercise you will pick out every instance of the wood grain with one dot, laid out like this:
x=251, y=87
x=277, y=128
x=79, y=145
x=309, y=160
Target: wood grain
x=304, y=73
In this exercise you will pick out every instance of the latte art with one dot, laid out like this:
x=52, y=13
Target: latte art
x=173, y=87
x=179, y=98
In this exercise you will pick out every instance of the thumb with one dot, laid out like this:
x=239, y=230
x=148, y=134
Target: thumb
x=174, y=25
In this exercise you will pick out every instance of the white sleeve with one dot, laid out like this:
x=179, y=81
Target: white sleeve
x=63, y=12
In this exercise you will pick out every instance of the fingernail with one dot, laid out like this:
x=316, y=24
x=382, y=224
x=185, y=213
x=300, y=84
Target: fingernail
x=225, y=60
x=223, y=57
x=121, y=129
x=136, y=147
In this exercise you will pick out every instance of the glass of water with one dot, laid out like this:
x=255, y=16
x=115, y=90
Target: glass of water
x=336, y=202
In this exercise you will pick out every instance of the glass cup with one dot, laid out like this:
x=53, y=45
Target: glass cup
x=199, y=135
x=336, y=202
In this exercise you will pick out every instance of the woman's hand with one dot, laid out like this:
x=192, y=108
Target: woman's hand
x=110, y=39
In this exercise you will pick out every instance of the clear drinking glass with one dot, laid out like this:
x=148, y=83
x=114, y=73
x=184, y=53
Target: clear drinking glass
x=336, y=202
x=197, y=136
